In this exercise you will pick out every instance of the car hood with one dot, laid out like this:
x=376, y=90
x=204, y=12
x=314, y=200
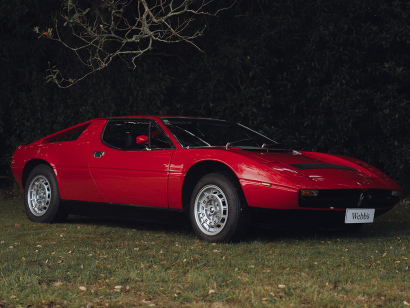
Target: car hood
x=298, y=164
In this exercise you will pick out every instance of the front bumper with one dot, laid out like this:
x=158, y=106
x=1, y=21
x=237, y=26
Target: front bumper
x=350, y=198
x=303, y=218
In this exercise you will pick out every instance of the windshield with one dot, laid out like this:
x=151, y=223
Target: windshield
x=191, y=132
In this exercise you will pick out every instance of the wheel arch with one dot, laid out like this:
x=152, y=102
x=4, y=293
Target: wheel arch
x=197, y=171
x=30, y=166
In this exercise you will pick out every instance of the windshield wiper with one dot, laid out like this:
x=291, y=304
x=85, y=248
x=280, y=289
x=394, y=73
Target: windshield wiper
x=266, y=146
x=269, y=145
x=229, y=144
x=275, y=147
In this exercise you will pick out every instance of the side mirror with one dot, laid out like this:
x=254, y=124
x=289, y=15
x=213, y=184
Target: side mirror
x=142, y=140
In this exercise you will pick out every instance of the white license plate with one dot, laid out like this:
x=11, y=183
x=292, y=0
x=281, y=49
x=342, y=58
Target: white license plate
x=359, y=216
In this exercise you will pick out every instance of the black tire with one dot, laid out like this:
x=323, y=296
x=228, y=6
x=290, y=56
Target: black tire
x=41, y=196
x=218, y=209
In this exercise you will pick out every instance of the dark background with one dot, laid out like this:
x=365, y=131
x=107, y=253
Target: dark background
x=330, y=76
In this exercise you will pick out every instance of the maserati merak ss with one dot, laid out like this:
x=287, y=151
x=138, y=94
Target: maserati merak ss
x=223, y=175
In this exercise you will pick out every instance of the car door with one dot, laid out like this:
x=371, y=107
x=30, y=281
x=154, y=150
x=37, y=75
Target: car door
x=128, y=172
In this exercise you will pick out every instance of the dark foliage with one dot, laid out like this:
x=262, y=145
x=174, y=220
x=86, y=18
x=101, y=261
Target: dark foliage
x=318, y=75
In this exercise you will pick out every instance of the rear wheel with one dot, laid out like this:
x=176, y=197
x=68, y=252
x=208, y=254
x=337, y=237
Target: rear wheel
x=42, y=198
x=217, y=211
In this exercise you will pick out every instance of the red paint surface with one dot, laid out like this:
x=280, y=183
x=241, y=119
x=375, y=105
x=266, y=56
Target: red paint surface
x=156, y=178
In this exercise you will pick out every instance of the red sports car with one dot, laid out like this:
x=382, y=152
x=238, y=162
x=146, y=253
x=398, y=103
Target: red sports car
x=223, y=175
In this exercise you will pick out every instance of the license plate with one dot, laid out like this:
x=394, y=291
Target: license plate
x=359, y=216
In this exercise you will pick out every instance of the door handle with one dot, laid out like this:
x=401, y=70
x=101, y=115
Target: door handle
x=98, y=154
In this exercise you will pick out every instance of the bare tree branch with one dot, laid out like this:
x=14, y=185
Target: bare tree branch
x=123, y=28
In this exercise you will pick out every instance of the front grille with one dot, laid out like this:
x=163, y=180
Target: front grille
x=350, y=198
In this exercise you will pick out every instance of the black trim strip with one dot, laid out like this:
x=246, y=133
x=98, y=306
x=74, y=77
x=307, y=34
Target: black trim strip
x=100, y=204
x=125, y=212
x=320, y=166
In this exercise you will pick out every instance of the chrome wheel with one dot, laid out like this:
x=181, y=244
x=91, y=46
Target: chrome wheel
x=211, y=209
x=217, y=212
x=39, y=195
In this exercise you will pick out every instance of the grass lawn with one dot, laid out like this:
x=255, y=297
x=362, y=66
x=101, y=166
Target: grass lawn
x=90, y=262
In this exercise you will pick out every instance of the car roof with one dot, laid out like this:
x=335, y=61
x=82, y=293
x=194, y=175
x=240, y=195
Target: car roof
x=154, y=117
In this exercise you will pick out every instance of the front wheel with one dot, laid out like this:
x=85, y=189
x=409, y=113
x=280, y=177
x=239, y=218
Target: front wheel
x=41, y=196
x=217, y=211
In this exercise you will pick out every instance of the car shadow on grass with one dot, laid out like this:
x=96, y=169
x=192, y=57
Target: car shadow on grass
x=183, y=228
x=394, y=223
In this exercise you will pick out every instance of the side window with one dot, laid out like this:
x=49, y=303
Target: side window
x=122, y=134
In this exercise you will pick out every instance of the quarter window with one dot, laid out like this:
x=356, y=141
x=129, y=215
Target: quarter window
x=70, y=136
